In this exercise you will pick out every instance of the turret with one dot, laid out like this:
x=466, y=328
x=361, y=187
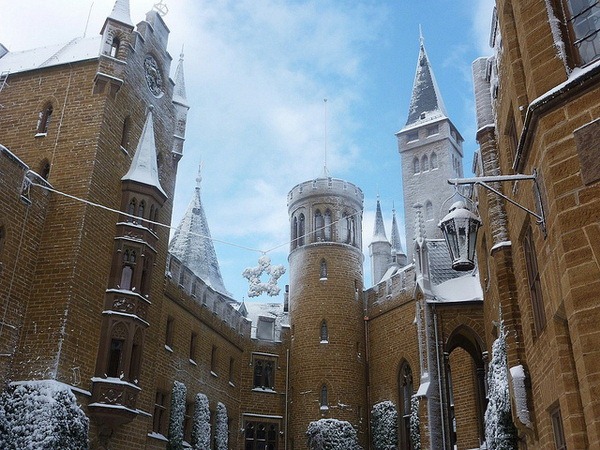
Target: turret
x=326, y=310
x=181, y=110
x=380, y=249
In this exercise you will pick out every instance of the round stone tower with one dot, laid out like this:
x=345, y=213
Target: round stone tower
x=326, y=309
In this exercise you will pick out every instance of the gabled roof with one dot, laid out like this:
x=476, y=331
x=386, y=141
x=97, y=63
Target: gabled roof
x=78, y=49
x=426, y=104
x=144, y=168
x=193, y=246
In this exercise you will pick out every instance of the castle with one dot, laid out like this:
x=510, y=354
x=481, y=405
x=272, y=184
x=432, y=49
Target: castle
x=96, y=300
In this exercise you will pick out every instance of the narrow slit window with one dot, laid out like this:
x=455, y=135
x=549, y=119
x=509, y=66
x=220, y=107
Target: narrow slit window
x=44, y=119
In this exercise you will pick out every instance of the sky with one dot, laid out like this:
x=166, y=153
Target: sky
x=257, y=74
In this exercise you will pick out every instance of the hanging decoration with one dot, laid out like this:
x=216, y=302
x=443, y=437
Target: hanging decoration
x=253, y=275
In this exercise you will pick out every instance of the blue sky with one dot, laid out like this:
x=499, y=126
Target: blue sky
x=257, y=73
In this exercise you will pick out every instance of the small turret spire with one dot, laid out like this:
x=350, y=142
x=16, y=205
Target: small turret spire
x=379, y=230
x=120, y=13
x=179, y=92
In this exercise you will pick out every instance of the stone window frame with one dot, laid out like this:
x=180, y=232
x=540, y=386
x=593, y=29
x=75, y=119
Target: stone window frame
x=254, y=441
x=558, y=431
x=160, y=416
x=324, y=332
x=416, y=166
x=264, y=368
x=534, y=281
x=44, y=119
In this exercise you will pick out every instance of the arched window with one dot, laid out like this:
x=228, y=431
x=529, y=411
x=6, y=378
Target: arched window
x=428, y=210
x=323, y=270
x=351, y=231
x=131, y=210
x=416, y=166
x=118, y=338
x=324, y=331
x=141, y=209
x=434, y=161
x=327, y=221
x=114, y=47
x=294, y=232
x=44, y=117
x=301, y=228
x=424, y=163
x=127, y=270
x=319, y=226
x=405, y=388
x=126, y=133
x=323, y=400
x=136, y=356
x=45, y=169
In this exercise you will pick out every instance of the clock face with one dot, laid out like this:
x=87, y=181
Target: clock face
x=153, y=76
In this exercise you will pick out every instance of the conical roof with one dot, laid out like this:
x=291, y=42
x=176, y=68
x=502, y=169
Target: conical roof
x=193, y=246
x=426, y=104
x=144, y=168
x=120, y=13
x=379, y=230
x=179, y=93
x=396, y=243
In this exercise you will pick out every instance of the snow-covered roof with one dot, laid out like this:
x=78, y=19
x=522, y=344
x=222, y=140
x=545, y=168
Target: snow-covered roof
x=465, y=288
x=426, y=104
x=120, y=13
x=179, y=93
x=396, y=242
x=78, y=49
x=440, y=265
x=379, y=230
x=270, y=311
x=193, y=246
x=144, y=168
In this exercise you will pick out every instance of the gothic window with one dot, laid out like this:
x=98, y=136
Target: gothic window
x=582, y=21
x=327, y=224
x=159, y=418
x=557, y=427
x=405, y=387
x=434, y=161
x=294, y=232
x=261, y=436
x=323, y=270
x=264, y=373
x=428, y=210
x=169, y=331
x=44, y=117
x=416, y=166
x=118, y=338
x=126, y=133
x=323, y=398
x=193, y=346
x=114, y=47
x=129, y=257
x=535, y=287
x=136, y=356
x=45, y=169
x=131, y=210
x=301, y=228
x=213, y=359
x=319, y=226
x=348, y=230
x=141, y=209
x=424, y=163
x=324, y=331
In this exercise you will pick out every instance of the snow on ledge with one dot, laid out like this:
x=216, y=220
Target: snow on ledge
x=160, y=437
x=500, y=245
x=57, y=384
x=518, y=377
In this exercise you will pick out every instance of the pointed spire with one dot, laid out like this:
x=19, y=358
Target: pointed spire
x=120, y=13
x=193, y=246
x=379, y=230
x=144, y=168
x=179, y=93
x=426, y=103
x=396, y=243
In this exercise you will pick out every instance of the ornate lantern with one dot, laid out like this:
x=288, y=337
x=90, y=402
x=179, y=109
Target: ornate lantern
x=460, y=227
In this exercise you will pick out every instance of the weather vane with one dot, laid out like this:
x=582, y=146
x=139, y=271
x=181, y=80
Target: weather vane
x=161, y=8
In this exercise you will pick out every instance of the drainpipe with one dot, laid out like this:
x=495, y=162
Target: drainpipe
x=287, y=390
x=439, y=376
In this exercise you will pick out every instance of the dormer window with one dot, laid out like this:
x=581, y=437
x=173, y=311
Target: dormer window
x=44, y=119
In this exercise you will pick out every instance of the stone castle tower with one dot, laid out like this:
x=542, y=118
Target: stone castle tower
x=431, y=152
x=328, y=365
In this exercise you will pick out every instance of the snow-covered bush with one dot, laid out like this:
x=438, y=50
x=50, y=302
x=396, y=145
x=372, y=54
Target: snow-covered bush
x=42, y=415
x=415, y=423
x=201, y=424
x=384, y=426
x=500, y=432
x=177, y=417
x=332, y=434
x=222, y=428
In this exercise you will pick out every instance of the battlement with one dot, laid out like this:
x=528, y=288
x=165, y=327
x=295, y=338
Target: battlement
x=221, y=305
x=325, y=186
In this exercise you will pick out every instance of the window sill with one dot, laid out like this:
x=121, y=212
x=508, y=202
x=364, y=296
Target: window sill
x=264, y=390
x=231, y=383
x=324, y=408
x=157, y=436
x=324, y=342
x=169, y=349
x=192, y=362
x=214, y=374
x=37, y=135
